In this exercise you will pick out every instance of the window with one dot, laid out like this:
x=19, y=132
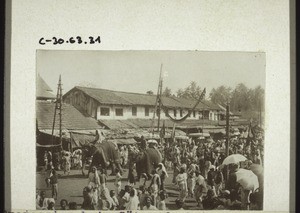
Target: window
x=146, y=111
x=134, y=111
x=180, y=113
x=194, y=114
x=119, y=112
x=175, y=112
x=104, y=111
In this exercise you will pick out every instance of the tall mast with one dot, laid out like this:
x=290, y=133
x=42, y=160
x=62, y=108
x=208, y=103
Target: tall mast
x=156, y=102
x=227, y=129
x=60, y=110
x=159, y=99
x=58, y=106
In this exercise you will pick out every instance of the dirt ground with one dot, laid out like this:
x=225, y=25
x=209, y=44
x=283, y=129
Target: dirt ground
x=70, y=188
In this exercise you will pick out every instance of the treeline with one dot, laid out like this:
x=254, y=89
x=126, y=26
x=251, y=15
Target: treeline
x=241, y=98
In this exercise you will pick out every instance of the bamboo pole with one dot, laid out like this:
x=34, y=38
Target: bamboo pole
x=159, y=99
x=227, y=130
x=156, y=102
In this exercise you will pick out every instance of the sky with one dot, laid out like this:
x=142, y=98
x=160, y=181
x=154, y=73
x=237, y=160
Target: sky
x=138, y=71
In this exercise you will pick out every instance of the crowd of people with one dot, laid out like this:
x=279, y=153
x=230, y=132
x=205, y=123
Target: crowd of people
x=197, y=170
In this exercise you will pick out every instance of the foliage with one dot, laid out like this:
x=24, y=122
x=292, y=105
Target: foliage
x=193, y=91
x=241, y=99
x=221, y=95
x=167, y=92
x=150, y=92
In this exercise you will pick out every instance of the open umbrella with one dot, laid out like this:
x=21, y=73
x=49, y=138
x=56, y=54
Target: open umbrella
x=235, y=158
x=247, y=179
x=152, y=141
x=259, y=171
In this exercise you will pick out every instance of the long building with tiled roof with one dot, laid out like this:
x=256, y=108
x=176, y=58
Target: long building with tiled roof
x=103, y=104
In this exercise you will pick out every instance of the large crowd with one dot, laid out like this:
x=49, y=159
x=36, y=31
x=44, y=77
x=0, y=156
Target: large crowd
x=195, y=164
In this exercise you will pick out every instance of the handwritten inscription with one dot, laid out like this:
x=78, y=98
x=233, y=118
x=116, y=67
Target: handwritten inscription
x=71, y=40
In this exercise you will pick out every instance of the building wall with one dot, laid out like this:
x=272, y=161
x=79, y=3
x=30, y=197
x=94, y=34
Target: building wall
x=82, y=102
x=127, y=112
x=140, y=113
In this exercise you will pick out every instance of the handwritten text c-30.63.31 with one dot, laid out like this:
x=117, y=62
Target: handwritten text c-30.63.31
x=71, y=40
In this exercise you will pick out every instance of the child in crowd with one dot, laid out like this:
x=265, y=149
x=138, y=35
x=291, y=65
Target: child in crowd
x=54, y=184
x=63, y=204
x=161, y=203
x=114, y=198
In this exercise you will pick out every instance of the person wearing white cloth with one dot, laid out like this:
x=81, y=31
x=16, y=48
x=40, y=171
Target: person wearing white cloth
x=181, y=180
x=154, y=186
x=118, y=183
x=134, y=202
x=94, y=184
x=200, y=188
x=162, y=172
x=191, y=179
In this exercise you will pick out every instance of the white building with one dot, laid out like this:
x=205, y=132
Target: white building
x=104, y=104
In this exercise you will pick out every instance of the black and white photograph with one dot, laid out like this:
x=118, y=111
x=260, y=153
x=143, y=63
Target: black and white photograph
x=150, y=130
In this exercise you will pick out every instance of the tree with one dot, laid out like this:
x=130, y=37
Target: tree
x=180, y=93
x=167, y=92
x=220, y=95
x=150, y=92
x=257, y=97
x=241, y=98
x=193, y=91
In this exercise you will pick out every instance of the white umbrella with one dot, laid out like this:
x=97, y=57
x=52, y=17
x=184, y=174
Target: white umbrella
x=235, y=158
x=152, y=141
x=247, y=179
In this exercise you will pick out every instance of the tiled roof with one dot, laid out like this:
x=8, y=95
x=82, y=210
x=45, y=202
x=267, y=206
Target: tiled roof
x=72, y=119
x=43, y=91
x=189, y=103
x=211, y=105
x=104, y=96
x=146, y=123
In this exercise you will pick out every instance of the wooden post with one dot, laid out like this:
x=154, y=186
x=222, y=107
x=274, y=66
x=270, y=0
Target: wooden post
x=58, y=105
x=159, y=99
x=60, y=111
x=227, y=130
x=156, y=103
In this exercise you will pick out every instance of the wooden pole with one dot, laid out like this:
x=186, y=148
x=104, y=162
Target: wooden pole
x=57, y=99
x=156, y=102
x=60, y=111
x=159, y=99
x=227, y=130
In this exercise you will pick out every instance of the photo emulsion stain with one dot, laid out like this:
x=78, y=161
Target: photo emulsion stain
x=150, y=130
